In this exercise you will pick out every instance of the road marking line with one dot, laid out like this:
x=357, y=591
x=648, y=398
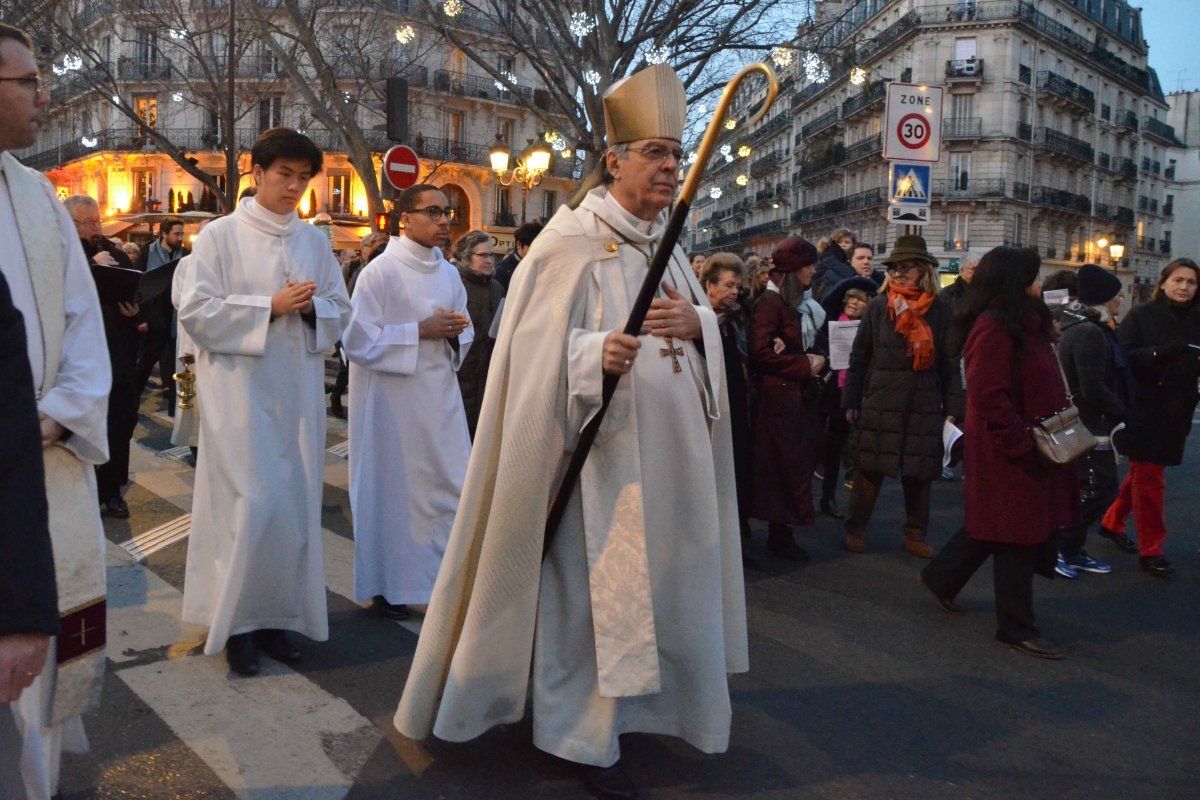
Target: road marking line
x=179, y=453
x=278, y=736
x=341, y=450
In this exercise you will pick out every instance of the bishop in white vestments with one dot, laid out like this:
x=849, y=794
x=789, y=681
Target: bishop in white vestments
x=52, y=287
x=263, y=301
x=408, y=334
x=637, y=614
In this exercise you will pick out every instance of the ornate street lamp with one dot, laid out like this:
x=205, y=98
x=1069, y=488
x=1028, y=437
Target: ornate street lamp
x=1117, y=251
x=532, y=165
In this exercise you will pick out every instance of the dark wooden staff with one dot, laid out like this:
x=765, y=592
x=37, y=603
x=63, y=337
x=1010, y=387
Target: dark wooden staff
x=650, y=285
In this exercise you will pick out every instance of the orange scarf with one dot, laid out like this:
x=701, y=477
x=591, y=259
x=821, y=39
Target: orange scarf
x=907, y=305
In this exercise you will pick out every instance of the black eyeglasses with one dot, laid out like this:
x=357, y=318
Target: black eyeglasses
x=31, y=82
x=658, y=153
x=483, y=255
x=435, y=213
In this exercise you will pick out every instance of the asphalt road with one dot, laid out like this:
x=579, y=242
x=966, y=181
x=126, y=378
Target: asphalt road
x=859, y=686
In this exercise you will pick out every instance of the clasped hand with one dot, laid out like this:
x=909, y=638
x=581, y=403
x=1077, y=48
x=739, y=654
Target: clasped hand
x=294, y=296
x=444, y=324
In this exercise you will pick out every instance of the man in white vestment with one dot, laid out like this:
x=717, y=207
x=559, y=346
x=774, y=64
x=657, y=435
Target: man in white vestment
x=52, y=287
x=262, y=300
x=408, y=334
x=637, y=614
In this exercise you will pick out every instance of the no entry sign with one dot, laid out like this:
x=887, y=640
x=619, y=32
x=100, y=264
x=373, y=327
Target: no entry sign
x=401, y=166
x=914, y=122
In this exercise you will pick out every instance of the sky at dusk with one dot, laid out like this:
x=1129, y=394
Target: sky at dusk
x=1172, y=30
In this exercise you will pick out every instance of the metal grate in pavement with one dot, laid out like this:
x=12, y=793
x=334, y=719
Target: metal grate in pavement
x=156, y=539
x=341, y=450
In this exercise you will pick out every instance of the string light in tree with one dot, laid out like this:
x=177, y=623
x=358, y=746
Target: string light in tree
x=405, y=34
x=452, y=8
x=658, y=55
x=591, y=77
x=70, y=64
x=715, y=193
x=508, y=76
x=744, y=151
x=730, y=124
x=782, y=56
x=692, y=156
x=858, y=76
x=89, y=141
x=581, y=24
x=815, y=69
x=177, y=33
x=177, y=97
x=741, y=180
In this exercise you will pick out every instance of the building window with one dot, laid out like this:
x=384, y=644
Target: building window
x=964, y=49
x=146, y=108
x=270, y=113
x=503, y=204
x=549, y=204
x=338, y=199
x=144, y=198
x=504, y=130
x=146, y=51
x=962, y=106
x=453, y=127
x=956, y=231
x=960, y=169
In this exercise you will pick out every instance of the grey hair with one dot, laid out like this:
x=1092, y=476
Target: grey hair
x=467, y=243
x=618, y=150
x=971, y=256
x=78, y=200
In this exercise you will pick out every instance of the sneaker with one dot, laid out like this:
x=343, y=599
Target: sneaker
x=1065, y=569
x=819, y=474
x=1082, y=562
x=1122, y=541
x=947, y=474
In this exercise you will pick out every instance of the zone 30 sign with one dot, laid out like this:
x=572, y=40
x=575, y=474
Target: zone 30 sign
x=914, y=122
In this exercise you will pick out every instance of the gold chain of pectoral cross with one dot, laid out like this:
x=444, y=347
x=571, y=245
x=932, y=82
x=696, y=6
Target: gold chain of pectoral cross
x=670, y=351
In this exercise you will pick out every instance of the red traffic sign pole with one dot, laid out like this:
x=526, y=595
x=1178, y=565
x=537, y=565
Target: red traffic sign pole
x=401, y=166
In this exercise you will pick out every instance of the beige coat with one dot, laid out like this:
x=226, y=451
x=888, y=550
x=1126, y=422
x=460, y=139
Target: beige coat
x=652, y=531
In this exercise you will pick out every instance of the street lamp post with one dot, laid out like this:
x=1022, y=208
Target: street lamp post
x=531, y=166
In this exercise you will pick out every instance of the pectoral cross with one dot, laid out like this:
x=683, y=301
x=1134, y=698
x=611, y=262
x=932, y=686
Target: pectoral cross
x=673, y=352
x=84, y=630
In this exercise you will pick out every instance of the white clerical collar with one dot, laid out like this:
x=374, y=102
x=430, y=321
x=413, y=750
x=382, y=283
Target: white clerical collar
x=634, y=221
x=260, y=218
x=414, y=254
x=627, y=225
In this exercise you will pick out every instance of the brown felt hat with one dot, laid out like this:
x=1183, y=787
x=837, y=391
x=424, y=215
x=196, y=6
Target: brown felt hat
x=910, y=248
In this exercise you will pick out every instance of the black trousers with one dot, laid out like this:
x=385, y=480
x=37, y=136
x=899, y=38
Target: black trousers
x=1098, y=487
x=1013, y=567
x=122, y=420
x=158, y=348
x=866, y=492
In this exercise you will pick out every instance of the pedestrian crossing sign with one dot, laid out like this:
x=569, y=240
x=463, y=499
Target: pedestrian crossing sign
x=909, y=183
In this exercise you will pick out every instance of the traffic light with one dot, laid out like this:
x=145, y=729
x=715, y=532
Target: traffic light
x=381, y=221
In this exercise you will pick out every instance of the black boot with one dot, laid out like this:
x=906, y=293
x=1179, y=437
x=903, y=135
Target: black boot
x=396, y=611
x=607, y=783
x=781, y=544
x=335, y=405
x=276, y=644
x=242, y=654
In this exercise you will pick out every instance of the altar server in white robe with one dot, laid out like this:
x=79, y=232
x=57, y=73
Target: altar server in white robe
x=408, y=334
x=263, y=301
x=637, y=614
x=52, y=287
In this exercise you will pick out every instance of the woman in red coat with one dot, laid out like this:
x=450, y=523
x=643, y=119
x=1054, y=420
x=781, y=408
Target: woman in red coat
x=785, y=427
x=1013, y=501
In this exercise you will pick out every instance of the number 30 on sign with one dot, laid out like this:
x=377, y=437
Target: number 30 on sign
x=914, y=122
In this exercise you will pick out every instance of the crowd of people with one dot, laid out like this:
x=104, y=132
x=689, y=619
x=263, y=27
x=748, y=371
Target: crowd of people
x=472, y=383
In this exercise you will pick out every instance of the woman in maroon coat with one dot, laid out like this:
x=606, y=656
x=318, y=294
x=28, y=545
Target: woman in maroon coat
x=1013, y=501
x=785, y=427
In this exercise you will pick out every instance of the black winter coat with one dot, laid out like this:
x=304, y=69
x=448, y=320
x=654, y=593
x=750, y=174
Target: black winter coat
x=832, y=268
x=1154, y=337
x=1095, y=368
x=483, y=298
x=902, y=412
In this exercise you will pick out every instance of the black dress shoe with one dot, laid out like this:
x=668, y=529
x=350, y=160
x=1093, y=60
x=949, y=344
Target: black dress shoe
x=276, y=644
x=1038, y=648
x=780, y=544
x=944, y=603
x=1123, y=542
x=1157, y=566
x=829, y=508
x=114, y=507
x=396, y=611
x=608, y=783
x=242, y=654
x=335, y=406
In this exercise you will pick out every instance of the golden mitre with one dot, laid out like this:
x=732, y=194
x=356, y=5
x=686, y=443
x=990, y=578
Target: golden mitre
x=650, y=104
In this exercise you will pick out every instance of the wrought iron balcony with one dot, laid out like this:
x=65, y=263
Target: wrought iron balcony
x=821, y=123
x=903, y=26
x=1024, y=74
x=766, y=164
x=464, y=85
x=872, y=96
x=129, y=69
x=1104, y=160
x=777, y=123
x=1061, y=199
x=1126, y=121
x=971, y=189
x=1059, y=142
x=1025, y=131
x=1126, y=167
x=962, y=128
x=1159, y=129
x=1020, y=191
x=1067, y=90
x=865, y=147
x=827, y=159
x=964, y=69
x=1165, y=246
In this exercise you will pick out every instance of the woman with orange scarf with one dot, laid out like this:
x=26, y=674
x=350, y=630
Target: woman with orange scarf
x=902, y=385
